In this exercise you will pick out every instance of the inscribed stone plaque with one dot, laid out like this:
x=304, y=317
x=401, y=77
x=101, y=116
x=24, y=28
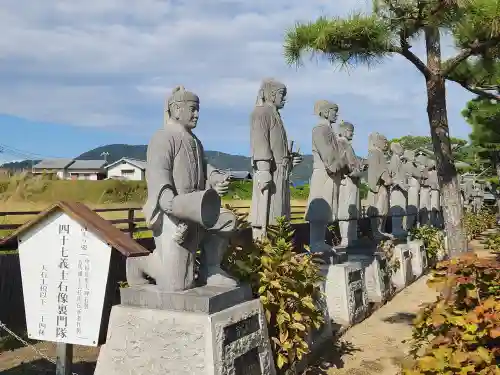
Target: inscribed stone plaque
x=358, y=299
x=248, y=363
x=64, y=270
x=241, y=329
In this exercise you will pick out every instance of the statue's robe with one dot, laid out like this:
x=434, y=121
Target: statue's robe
x=413, y=174
x=269, y=143
x=322, y=205
x=349, y=200
x=398, y=197
x=378, y=193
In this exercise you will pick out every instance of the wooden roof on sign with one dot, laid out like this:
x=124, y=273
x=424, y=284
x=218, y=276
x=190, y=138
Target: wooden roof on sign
x=87, y=218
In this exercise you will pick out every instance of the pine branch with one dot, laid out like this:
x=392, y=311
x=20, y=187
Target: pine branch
x=476, y=90
x=404, y=51
x=473, y=49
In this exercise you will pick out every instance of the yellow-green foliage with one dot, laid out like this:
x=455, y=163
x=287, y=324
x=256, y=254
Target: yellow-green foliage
x=288, y=286
x=459, y=333
x=433, y=240
x=477, y=223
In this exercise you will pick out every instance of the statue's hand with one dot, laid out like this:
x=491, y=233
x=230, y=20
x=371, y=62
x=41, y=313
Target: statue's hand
x=222, y=187
x=264, y=179
x=296, y=160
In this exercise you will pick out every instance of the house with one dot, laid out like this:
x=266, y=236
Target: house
x=127, y=169
x=239, y=175
x=70, y=169
x=87, y=170
x=53, y=166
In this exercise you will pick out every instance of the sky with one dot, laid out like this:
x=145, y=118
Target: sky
x=81, y=74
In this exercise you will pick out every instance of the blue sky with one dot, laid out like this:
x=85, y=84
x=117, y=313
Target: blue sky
x=77, y=75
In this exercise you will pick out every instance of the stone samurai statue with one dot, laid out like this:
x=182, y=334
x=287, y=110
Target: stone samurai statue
x=413, y=175
x=379, y=182
x=272, y=159
x=183, y=205
x=322, y=205
x=399, y=190
x=349, y=199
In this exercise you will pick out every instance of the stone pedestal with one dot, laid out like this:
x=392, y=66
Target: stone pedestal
x=345, y=292
x=404, y=275
x=377, y=276
x=418, y=257
x=202, y=331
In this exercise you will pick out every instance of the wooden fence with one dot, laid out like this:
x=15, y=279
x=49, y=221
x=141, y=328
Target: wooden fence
x=132, y=220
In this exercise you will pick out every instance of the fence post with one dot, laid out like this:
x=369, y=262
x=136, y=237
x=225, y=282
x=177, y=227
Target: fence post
x=131, y=223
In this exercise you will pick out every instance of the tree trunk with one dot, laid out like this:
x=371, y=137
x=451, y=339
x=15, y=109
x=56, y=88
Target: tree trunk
x=438, y=121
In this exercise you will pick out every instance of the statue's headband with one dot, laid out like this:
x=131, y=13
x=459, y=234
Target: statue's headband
x=180, y=94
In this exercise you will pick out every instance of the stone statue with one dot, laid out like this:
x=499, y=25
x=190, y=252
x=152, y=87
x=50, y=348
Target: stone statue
x=477, y=197
x=349, y=199
x=379, y=181
x=432, y=178
x=322, y=205
x=425, y=190
x=413, y=177
x=468, y=194
x=183, y=205
x=272, y=159
x=399, y=190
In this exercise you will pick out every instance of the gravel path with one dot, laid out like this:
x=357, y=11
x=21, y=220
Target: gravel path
x=375, y=345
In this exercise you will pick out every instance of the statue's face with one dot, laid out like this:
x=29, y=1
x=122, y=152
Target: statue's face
x=385, y=144
x=332, y=114
x=348, y=133
x=186, y=113
x=280, y=98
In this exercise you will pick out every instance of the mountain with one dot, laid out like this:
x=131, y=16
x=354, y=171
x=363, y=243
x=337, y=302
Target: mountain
x=220, y=160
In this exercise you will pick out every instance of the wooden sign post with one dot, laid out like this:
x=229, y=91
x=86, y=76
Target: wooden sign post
x=64, y=255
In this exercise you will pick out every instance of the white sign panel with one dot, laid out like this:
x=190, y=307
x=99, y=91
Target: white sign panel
x=64, y=271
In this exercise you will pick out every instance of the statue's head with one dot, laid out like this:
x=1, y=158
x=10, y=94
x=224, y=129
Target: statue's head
x=326, y=110
x=409, y=155
x=422, y=160
x=377, y=141
x=397, y=149
x=272, y=92
x=183, y=106
x=346, y=130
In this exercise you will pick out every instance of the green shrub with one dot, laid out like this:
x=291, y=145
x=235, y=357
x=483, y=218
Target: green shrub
x=287, y=284
x=477, y=223
x=433, y=240
x=492, y=243
x=125, y=191
x=459, y=333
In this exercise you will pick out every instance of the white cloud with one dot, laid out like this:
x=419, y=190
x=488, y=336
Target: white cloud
x=110, y=63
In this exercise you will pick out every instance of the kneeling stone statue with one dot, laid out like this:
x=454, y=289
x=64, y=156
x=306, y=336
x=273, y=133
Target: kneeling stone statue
x=183, y=205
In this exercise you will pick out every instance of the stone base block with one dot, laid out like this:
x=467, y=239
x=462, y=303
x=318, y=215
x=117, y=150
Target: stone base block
x=418, y=257
x=404, y=275
x=377, y=277
x=158, y=342
x=345, y=291
x=205, y=299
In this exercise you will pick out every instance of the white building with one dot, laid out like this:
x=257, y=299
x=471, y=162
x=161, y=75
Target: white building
x=53, y=166
x=127, y=169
